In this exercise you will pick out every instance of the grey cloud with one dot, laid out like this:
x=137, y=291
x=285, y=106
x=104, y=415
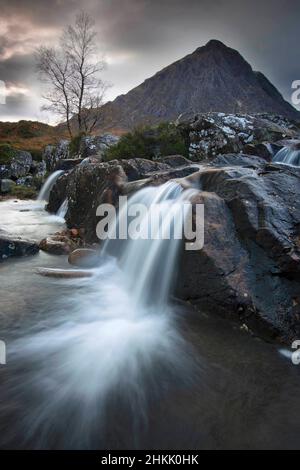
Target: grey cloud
x=142, y=36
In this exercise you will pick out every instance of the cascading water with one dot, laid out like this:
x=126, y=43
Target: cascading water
x=112, y=343
x=149, y=263
x=288, y=156
x=63, y=209
x=48, y=185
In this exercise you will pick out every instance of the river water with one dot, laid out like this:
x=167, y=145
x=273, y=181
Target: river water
x=89, y=368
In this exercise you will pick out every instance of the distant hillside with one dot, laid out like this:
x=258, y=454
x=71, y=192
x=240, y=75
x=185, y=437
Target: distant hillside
x=30, y=135
x=213, y=78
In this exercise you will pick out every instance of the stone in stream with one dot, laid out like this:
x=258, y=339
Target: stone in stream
x=13, y=246
x=84, y=258
x=63, y=273
x=61, y=243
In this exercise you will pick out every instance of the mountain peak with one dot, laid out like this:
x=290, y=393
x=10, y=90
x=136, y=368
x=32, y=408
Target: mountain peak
x=215, y=44
x=214, y=78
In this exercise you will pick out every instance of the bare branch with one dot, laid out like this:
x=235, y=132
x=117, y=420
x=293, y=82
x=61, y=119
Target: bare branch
x=72, y=72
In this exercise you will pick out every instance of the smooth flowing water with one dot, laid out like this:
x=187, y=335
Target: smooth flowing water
x=92, y=363
x=48, y=185
x=63, y=209
x=288, y=156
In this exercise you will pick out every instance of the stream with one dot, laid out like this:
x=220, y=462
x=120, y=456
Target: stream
x=91, y=367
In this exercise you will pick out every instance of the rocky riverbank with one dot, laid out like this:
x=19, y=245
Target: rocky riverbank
x=249, y=268
x=252, y=228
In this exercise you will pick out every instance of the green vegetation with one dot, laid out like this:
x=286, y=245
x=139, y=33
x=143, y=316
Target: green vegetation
x=74, y=146
x=23, y=192
x=149, y=142
x=36, y=154
x=7, y=152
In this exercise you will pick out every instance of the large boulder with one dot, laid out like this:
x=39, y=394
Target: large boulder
x=92, y=183
x=84, y=258
x=249, y=267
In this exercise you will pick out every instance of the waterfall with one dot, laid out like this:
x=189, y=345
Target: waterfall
x=149, y=264
x=288, y=156
x=48, y=185
x=63, y=209
x=111, y=346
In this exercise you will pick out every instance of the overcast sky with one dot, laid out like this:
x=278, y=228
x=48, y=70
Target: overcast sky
x=139, y=37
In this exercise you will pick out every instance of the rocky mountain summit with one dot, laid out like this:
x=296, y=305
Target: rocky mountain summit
x=213, y=78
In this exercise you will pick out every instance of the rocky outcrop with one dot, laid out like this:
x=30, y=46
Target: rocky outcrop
x=19, y=165
x=96, y=145
x=53, y=154
x=249, y=267
x=212, y=134
x=62, y=157
x=92, y=183
x=251, y=248
x=22, y=170
x=14, y=246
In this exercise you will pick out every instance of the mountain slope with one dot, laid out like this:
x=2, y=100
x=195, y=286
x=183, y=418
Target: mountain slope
x=30, y=135
x=213, y=78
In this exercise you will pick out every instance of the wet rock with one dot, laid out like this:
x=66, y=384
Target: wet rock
x=233, y=159
x=251, y=248
x=63, y=273
x=14, y=247
x=90, y=184
x=68, y=164
x=252, y=231
x=263, y=150
x=175, y=161
x=61, y=243
x=84, y=258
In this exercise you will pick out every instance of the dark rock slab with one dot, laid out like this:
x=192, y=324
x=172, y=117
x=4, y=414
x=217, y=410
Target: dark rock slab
x=14, y=247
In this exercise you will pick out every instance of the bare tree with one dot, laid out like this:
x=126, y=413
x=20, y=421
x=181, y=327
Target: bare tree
x=72, y=73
